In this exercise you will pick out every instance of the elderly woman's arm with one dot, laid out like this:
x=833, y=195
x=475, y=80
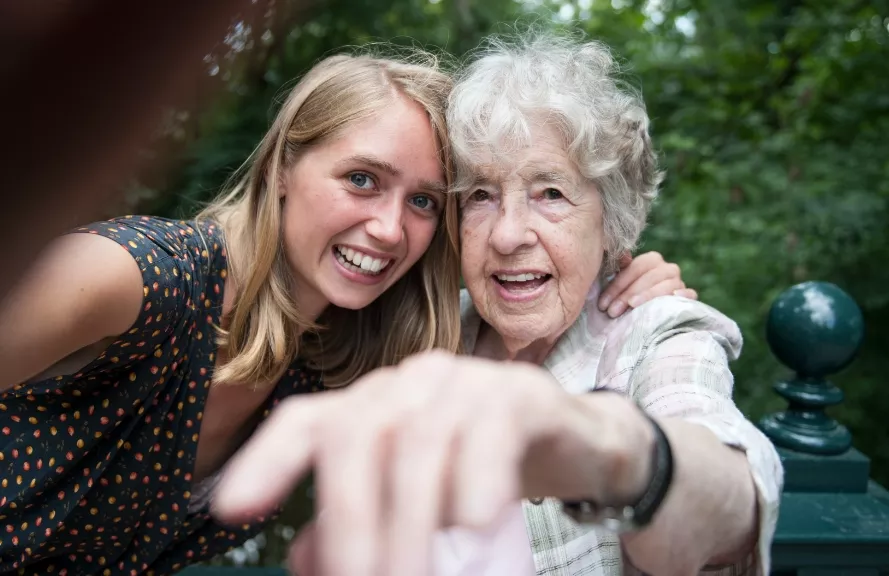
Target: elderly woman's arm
x=710, y=518
x=722, y=505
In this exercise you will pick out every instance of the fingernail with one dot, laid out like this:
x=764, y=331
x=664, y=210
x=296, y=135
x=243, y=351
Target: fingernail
x=604, y=301
x=636, y=301
x=617, y=308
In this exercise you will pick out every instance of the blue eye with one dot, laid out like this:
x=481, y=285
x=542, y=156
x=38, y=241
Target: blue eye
x=423, y=202
x=361, y=180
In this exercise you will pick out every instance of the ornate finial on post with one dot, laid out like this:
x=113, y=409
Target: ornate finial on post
x=815, y=329
x=833, y=518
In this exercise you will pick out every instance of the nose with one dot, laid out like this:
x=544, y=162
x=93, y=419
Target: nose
x=512, y=229
x=387, y=223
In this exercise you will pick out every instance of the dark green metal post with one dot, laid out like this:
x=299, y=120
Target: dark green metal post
x=833, y=519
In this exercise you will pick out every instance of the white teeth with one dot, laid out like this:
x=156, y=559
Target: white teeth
x=358, y=262
x=519, y=277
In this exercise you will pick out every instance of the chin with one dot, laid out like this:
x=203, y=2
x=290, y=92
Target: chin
x=528, y=328
x=356, y=302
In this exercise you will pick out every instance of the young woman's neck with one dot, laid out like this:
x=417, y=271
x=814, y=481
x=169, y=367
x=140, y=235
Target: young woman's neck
x=311, y=308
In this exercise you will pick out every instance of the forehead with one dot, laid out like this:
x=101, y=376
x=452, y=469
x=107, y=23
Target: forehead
x=543, y=158
x=401, y=139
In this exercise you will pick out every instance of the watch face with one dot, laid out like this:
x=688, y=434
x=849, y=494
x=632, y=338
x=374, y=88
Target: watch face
x=618, y=526
x=617, y=520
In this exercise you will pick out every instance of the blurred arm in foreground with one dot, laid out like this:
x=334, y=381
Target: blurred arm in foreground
x=85, y=85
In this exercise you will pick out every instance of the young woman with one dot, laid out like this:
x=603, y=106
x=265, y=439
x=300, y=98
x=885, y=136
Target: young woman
x=129, y=376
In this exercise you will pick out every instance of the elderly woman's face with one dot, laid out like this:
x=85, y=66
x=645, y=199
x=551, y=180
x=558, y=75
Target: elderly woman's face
x=532, y=242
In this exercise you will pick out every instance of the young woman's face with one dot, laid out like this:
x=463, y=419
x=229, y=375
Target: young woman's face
x=362, y=208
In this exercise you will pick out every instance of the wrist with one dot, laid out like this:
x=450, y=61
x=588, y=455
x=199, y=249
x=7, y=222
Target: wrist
x=621, y=449
x=639, y=473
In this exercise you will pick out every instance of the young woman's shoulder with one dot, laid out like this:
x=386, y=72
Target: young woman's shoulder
x=180, y=256
x=135, y=277
x=144, y=236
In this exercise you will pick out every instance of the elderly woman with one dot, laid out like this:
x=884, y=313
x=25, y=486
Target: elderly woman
x=662, y=475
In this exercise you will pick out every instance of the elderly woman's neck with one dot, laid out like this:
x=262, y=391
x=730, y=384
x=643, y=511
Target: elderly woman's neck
x=492, y=345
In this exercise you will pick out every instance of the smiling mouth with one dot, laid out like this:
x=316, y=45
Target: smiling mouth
x=361, y=263
x=519, y=283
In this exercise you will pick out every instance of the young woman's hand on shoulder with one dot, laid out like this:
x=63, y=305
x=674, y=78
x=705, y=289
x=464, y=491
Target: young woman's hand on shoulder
x=82, y=289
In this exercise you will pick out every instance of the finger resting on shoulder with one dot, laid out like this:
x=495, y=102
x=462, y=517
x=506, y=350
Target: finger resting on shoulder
x=626, y=282
x=689, y=293
x=659, y=281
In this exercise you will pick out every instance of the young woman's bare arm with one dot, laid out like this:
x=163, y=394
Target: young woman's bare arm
x=81, y=290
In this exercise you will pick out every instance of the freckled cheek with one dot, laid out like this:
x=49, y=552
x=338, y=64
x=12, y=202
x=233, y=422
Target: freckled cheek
x=579, y=263
x=473, y=232
x=291, y=226
x=472, y=252
x=419, y=233
x=474, y=222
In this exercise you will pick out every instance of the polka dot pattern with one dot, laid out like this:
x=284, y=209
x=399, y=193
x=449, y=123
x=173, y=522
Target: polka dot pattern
x=96, y=467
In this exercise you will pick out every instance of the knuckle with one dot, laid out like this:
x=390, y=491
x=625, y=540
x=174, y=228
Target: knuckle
x=288, y=404
x=418, y=430
x=287, y=410
x=435, y=363
x=439, y=356
x=371, y=379
x=435, y=356
x=674, y=269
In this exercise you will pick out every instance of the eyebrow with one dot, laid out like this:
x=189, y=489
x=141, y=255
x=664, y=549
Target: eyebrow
x=551, y=176
x=433, y=186
x=480, y=180
x=548, y=176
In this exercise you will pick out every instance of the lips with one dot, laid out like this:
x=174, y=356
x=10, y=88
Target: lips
x=522, y=282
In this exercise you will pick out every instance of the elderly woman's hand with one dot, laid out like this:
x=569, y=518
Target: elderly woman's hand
x=640, y=279
x=437, y=441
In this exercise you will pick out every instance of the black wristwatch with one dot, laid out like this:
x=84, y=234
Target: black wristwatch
x=635, y=516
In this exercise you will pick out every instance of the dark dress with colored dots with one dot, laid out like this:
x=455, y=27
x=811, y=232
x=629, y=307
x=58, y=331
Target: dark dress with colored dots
x=96, y=467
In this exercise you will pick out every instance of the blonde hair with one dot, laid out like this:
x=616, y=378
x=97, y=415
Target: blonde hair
x=265, y=329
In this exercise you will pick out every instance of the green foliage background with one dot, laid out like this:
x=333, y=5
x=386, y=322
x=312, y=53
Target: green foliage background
x=771, y=116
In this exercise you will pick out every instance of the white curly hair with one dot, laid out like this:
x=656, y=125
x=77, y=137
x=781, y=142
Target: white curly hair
x=512, y=84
